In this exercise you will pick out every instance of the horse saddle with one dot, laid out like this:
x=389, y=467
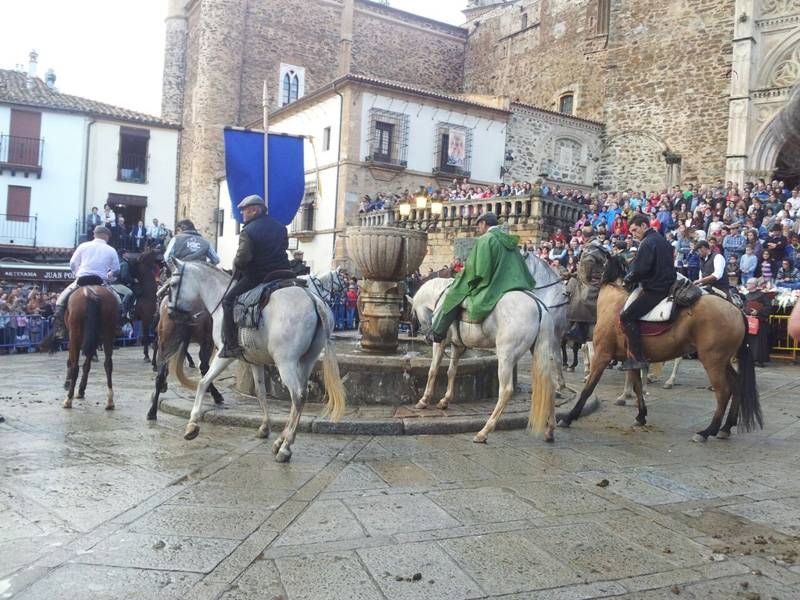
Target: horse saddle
x=248, y=306
x=663, y=312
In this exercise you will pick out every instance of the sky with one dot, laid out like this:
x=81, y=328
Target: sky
x=112, y=50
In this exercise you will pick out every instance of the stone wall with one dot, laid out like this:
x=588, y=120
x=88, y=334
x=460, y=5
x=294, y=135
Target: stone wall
x=561, y=147
x=658, y=80
x=223, y=76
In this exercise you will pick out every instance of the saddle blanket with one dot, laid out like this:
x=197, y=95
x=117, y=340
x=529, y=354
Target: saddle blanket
x=248, y=306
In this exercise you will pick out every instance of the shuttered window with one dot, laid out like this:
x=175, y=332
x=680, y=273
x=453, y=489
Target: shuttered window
x=18, y=205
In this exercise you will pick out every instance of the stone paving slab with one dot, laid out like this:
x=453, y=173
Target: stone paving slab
x=106, y=502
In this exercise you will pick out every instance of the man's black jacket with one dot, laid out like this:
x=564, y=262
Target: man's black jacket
x=653, y=266
x=263, y=244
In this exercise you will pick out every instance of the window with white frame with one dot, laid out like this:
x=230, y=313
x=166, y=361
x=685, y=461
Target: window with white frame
x=292, y=84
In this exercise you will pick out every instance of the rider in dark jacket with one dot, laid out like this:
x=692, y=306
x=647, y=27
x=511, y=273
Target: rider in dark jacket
x=653, y=269
x=263, y=243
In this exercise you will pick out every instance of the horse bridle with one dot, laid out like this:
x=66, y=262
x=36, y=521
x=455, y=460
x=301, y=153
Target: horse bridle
x=322, y=292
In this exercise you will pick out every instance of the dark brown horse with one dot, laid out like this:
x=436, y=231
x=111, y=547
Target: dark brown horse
x=143, y=267
x=91, y=318
x=712, y=327
x=171, y=342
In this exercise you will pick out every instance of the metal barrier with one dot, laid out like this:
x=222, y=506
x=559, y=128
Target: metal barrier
x=783, y=346
x=25, y=333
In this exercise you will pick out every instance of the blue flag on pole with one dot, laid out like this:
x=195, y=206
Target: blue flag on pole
x=244, y=170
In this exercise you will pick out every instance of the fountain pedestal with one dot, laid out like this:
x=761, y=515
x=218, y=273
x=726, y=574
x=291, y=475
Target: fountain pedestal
x=379, y=304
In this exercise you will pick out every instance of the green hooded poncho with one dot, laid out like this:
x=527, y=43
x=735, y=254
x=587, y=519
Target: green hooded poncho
x=493, y=268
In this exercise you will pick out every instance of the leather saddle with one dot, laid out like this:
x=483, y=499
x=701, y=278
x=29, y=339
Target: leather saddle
x=248, y=306
x=661, y=318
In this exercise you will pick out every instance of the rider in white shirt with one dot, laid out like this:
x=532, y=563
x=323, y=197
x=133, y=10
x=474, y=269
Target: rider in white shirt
x=93, y=263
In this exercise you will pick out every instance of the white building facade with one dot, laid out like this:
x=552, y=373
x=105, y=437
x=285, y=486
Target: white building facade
x=60, y=155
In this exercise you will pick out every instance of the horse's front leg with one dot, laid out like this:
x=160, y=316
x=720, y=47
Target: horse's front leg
x=436, y=360
x=261, y=392
x=206, y=350
x=217, y=367
x=457, y=351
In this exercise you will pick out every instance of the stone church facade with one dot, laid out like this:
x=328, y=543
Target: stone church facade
x=651, y=93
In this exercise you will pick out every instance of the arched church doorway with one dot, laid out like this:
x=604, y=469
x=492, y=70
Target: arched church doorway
x=787, y=166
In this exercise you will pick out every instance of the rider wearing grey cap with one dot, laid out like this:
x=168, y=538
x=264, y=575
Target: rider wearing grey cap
x=263, y=243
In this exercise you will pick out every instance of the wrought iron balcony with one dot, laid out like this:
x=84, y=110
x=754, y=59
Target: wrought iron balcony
x=18, y=230
x=21, y=154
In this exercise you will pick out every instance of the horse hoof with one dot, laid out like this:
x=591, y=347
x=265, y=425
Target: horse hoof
x=549, y=437
x=620, y=401
x=723, y=435
x=80, y=396
x=668, y=385
x=152, y=417
x=110, y=406
x=638, y=423
x=192, y=431
x=563, y=423
x=219, y=401
x=570, y=369
x=277, y=446
x=263, y=432
x=284, y=455
x=442, y=405
x=146, y=359
x=67, y=403
x=480, y=438
x=421, y=405
x=699, y=438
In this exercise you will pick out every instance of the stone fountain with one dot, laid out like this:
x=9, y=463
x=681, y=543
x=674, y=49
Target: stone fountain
x=380, y=368
x=384, y=256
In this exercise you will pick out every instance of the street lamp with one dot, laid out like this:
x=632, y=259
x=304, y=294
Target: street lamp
x=421, y=202
x=437, y=206
x=405, y=208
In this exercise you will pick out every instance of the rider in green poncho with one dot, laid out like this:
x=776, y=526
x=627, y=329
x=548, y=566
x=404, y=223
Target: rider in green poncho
x=493, y=268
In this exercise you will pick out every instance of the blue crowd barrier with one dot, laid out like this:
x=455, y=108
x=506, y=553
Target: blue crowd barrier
x=25, y=333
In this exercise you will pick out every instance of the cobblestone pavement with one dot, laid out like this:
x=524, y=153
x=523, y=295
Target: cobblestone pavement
x=97, y=504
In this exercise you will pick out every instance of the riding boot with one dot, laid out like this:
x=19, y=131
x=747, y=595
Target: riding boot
x=230, y=335
x=59, y=327
x=635, y=359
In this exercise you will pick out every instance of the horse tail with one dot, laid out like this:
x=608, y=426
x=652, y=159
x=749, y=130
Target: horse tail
x=91, y=332
x=542, y=388
x=334, y=388
x=749, y=405
x=177, y=361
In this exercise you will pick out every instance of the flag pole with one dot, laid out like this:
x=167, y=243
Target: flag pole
x=265, y=108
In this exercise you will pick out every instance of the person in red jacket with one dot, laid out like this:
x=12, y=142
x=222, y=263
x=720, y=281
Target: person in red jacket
x=351, y=304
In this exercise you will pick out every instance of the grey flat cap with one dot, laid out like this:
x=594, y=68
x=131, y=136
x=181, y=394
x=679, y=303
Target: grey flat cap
x=252, y=200
x=102, y=230
x=489, y=218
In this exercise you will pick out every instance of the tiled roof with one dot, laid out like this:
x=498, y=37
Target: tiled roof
x=404, y=87
x=15, y=88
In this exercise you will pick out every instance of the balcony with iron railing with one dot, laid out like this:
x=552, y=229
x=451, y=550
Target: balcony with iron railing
x=544, y=213
x=18, y=230
x=132, y=168
x=21, y=154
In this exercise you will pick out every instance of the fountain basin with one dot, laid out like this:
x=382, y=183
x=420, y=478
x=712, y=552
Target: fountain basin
x=398, y=379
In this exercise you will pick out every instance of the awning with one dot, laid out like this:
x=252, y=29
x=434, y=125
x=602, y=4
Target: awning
x=127, y=200
x=23, y=272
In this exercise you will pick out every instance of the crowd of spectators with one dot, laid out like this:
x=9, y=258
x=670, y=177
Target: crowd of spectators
x=125, y=236
x=23, y=309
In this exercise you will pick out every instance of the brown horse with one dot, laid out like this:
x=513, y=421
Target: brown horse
x=143, y=267
x=91, y=318
x=171, y=341
x=712, y=327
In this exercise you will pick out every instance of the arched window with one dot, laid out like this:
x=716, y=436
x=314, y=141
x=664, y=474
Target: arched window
x=295, y=87
x=287, y=89
x=566, y=103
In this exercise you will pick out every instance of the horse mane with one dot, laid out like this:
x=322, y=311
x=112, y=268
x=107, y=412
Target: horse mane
x=614, y=271
x=540, y=270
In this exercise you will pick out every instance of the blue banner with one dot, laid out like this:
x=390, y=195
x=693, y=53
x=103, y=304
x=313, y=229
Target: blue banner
x=244, y=170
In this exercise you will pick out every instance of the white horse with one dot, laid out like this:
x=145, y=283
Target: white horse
x=519, y=323
x=295, y=329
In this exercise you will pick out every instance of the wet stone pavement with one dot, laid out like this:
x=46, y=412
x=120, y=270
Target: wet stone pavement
x=100, y=505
